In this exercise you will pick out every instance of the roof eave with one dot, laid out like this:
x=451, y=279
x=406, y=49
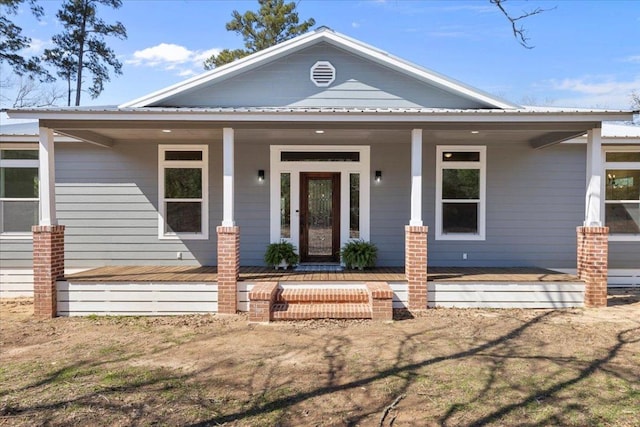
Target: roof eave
x=487, y=116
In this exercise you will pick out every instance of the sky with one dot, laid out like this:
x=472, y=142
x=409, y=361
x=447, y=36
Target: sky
x=585, y=54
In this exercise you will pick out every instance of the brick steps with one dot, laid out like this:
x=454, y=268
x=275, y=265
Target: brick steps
x=270, y=301
x=307, y=311
x=322, y=295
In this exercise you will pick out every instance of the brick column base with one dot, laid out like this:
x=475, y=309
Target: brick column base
x=593, y=250
x=228, y=269
x=48, y=266
x=261, y=299
x=415, y=265
x=381, y=300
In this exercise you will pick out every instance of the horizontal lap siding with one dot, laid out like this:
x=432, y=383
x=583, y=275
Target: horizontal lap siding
x=505, y=295
x=390, y=199
x=358, y=83
x=16, y=282
x=252, y=199
x=108, y=200
x=535, y=201
x=16, y=253
x=81, y=299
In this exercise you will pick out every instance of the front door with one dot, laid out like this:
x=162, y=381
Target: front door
x=319, y=216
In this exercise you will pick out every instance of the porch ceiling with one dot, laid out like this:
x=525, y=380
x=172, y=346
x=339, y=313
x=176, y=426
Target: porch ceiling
x=536, y=134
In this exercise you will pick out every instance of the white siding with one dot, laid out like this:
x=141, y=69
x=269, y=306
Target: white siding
x=140, y=299
x=16, y=283
x=505, y=295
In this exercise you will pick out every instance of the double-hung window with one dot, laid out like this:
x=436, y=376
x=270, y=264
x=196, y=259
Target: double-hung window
x=460, y=192
x=183, y=192
x=622, y=193
x=19, y=205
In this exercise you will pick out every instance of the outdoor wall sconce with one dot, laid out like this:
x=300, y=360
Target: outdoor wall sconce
x=261, y=175
x=378, y=177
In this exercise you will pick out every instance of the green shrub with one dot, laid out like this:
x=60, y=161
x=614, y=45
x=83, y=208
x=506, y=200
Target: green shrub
x=359, y=254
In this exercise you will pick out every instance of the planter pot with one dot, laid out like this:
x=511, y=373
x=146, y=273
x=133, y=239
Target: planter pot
x=283, y=264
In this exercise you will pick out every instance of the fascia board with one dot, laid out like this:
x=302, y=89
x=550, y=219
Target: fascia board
x=312, y=117
x=338, y=40
x=226, y=71
x=421, y=73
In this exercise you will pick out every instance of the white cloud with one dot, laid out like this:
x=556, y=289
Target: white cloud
x=595, y=91
x=355, y=24
x=169, y=56
x=37, y=46
x=633, y=58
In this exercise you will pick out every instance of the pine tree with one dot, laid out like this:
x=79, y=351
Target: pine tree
x=81, y=46
x=12, y=41
x=274, y=23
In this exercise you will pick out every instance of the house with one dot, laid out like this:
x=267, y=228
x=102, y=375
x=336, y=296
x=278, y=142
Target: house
x=319, y=140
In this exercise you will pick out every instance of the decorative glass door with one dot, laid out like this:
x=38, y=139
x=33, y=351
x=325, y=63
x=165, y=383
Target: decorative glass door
x=319, y=216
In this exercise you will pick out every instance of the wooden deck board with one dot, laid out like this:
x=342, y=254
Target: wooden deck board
x=257, y=274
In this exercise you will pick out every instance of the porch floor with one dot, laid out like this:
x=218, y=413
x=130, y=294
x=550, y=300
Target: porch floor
x=258, y=274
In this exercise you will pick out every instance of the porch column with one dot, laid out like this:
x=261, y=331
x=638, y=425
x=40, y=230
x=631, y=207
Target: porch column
x=416, y=177
x=48, y=236
x=415, y=253
x=592, y=242
x=228, y=233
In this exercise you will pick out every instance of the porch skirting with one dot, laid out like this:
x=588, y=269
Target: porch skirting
x=124, y=291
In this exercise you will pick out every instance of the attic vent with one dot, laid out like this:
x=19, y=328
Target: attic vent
x=323, y=73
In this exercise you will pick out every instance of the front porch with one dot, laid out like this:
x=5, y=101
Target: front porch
x=152, y=290
x=178, y=274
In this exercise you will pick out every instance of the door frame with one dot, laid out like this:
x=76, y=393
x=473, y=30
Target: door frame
x=305, y=177
x=277, y=167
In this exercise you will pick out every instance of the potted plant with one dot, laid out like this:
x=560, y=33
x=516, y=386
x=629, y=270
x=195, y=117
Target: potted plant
x=359, y=254
x=281, y=254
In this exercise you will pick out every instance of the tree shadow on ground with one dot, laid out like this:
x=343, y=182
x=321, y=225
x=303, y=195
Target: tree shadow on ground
x=398, y=370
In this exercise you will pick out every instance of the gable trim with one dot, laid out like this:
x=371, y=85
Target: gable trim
x=336, y=39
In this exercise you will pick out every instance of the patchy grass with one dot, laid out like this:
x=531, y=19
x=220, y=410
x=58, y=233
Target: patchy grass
x=453, y=367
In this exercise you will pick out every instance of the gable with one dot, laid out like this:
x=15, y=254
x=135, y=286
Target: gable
x=286, y=82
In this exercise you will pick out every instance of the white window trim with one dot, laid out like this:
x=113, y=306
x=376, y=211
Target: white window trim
x=294, y=168
x=616, y=165
x=482, y=202
x=19, y=235
x=204, y=165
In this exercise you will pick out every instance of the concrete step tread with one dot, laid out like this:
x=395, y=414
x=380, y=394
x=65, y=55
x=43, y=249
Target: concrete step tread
x=288, y=311
x=322, y=295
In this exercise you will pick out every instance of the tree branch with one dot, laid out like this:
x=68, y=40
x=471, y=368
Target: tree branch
x=519, y=31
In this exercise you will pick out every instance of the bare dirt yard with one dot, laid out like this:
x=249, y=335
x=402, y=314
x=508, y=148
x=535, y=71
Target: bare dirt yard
x=444, y=367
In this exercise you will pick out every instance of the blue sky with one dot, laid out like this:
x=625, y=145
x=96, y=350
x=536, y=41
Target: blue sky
x=586, y=54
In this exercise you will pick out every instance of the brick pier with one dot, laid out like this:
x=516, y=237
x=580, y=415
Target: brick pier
x=228, y=268
x=48, y=267
x=593, y=247
x=416, y=265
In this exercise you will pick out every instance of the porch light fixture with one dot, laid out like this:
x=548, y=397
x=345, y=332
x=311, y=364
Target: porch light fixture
x=448, y=155
x=319, y=131
x=166, y=130
x=475, y=132
x=261, y=175
x=378, y=177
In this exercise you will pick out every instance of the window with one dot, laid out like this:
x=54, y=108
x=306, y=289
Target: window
x=622, y=193
x=19, y=199
x=183, y=192
x=354, y=205
x=460, y=192
x=285, y=205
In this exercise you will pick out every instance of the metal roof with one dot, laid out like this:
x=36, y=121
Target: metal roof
x=316, y=110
